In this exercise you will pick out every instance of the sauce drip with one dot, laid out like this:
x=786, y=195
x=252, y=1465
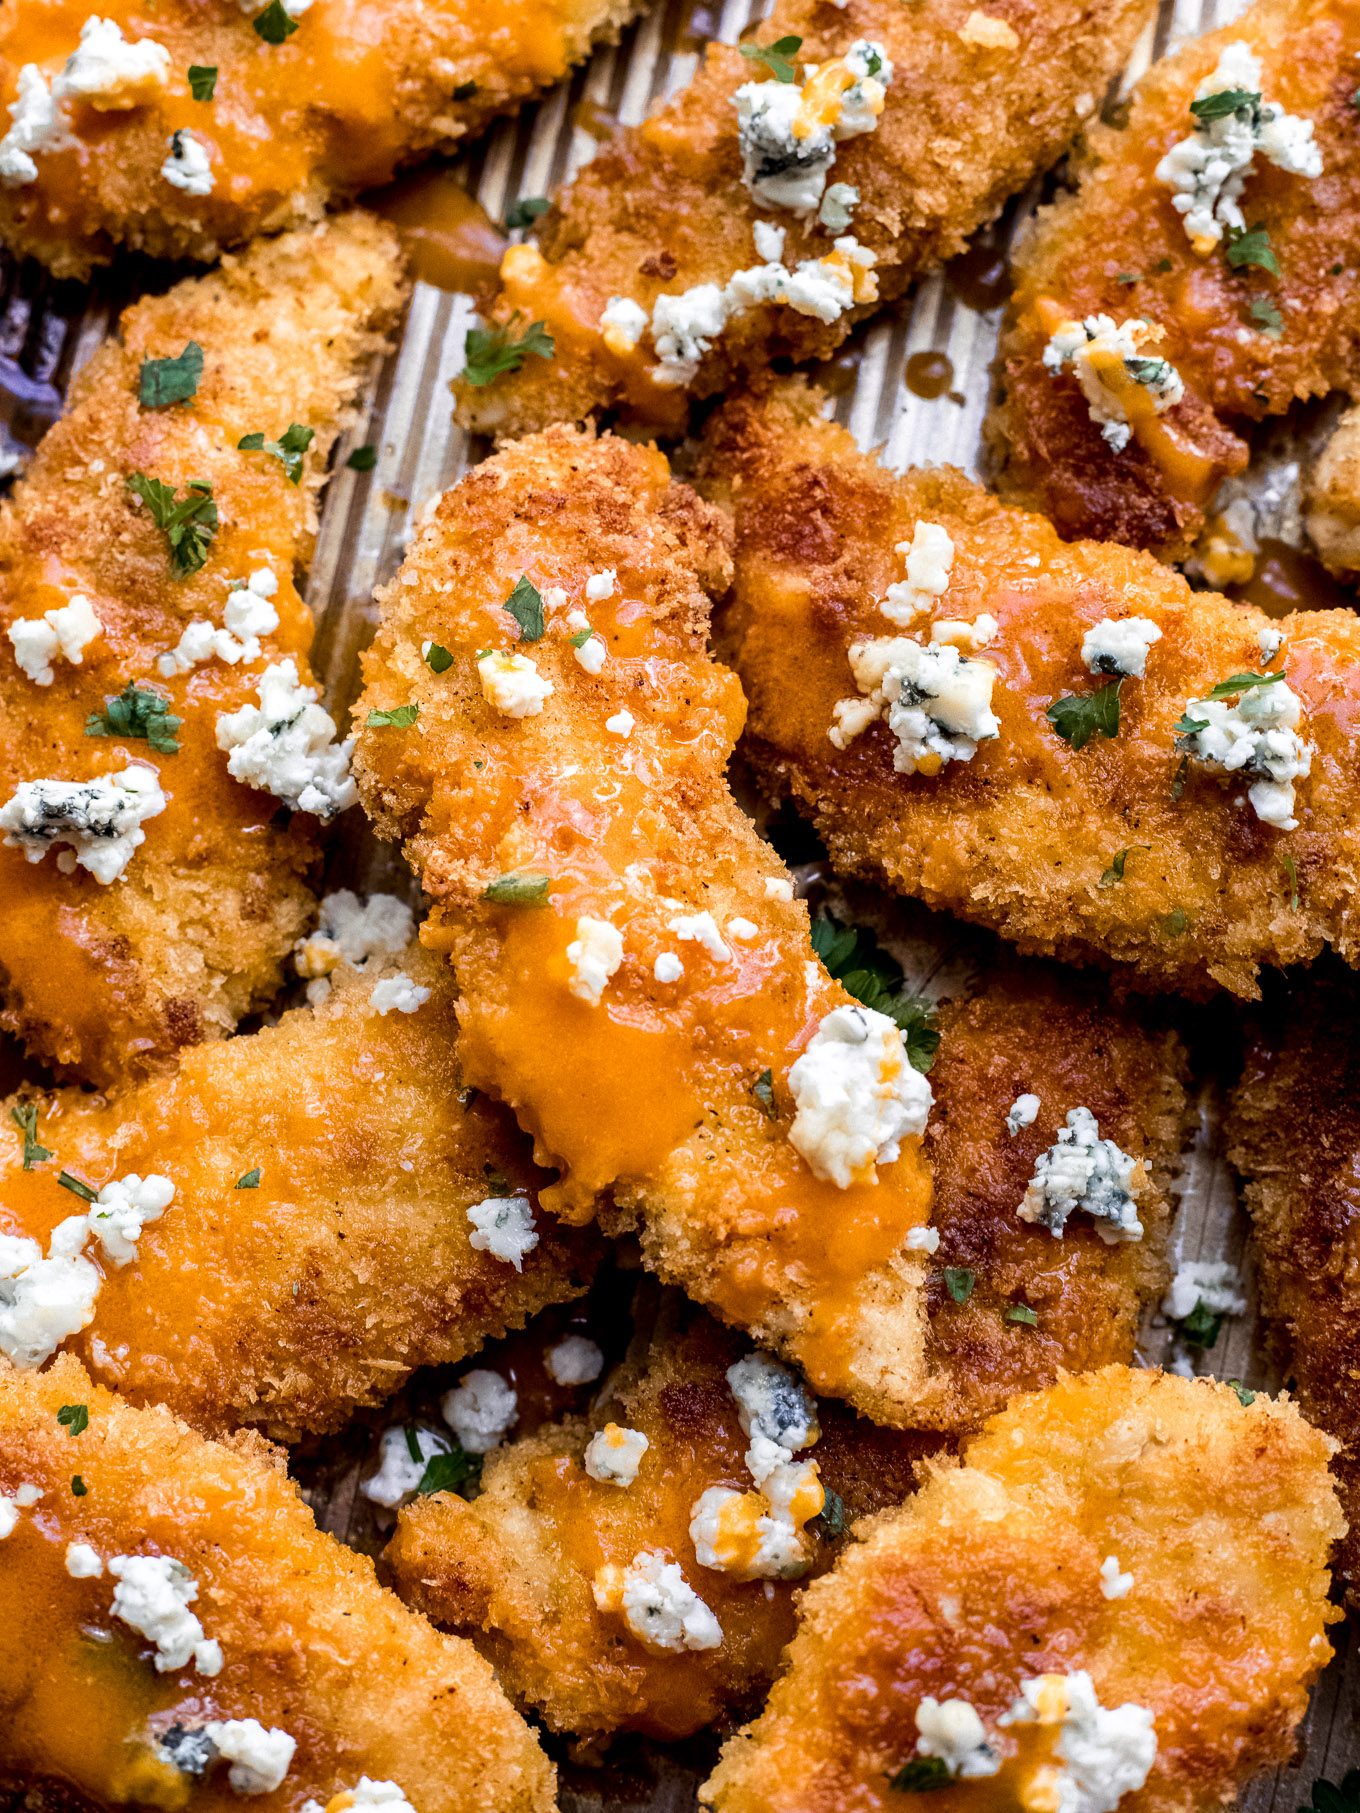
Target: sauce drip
x=448, y=238
x=980, y=277
x=595, y=119
x=838, y=376
x=1288, y=579
x=929, y=375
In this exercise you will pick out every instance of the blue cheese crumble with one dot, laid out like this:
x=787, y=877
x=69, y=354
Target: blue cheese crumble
x=504, y=1227
x=952, y=1731
x=249, y=614
x=1083, y=1171
x=1023, y=1112
x=1104, y=1752
x=106, y=71
x=353, y=932
x=657, y=1604
x=1106, y=360
x=1119, y=646
x=930, y=559
x=286, y=745
x=574, y=1360
x=260, y=1757
x=43, y=1300
x=788, y=132
x=856, y=1097
x=1214, y=1283
x=67, y=630
x=760, y=1535
x=364, y=1798
x=936, y=702
x=594, y=954
x=152, y=1597
x=399, y=1470
x=1256, y=735
x=613, y=1454
x=101, y=819
x=188, y=167
x=480, y=1410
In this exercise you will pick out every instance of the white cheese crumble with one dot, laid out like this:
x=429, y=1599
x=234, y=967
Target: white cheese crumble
x=574, y=1360
x=772, y=1404
x=101, y=819
x=922, y=1240
x=952, y=1731
x=937, y=702
x=1270, y=642
x=930, y=559
x=1022, y=1112
x=838, y=204
x=368, y=1794
x=259, y=1757
x=622, y=324
x=480, y=1410
x=613, y=1454
x=42, y=1301
x=9, y=1515
x=957, y=633
x=123, y=1208
x=1119, y=646
x=66, y=630
x=1213, y=1282
x=1083, y=1171
x=1113, y=1584
x=82, y=1563
x=153, y=1596
x=109, y=72
x=399, y=1472
x=769, y=240
x=744, y=929
x=594, y=955
x=778, y=888
x=188, y=166
x=701, y=929
x=511, y=684
x=1209, y=170
x=788, y=132
x=247, y=616
x=668, y=967
x=504, y=1227
x=657, y=1603
x=1255, y=735
x=399, y=994
x=352, y=931
x=1108, y=365
x=602, y=585
x=286, y=745
x=40, y=123
x=856, y=1097
x=592, y=652
x=1106, y=1753
x=620, y=725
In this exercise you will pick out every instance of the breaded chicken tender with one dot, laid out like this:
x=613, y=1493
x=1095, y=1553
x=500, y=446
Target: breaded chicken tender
x=320, y=1200
x=523, y=1568
x=636, y=981
x=1294, y=1134
x=1213, y=238
x=764, y=210
x=1215, y=832
x=1331, y=497
x=188, y=128
x=1120, y=1595
x=176, y=1632
x=147, y=897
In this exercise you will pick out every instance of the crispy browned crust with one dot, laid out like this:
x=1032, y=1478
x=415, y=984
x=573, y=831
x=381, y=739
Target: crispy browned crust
x=1223, y=1514
x=1331, y=497
x=1020, y=837
x=1047, y=452
x=106, y=981
x=1294, y=1135
x=663, y=208
x=311, y=1644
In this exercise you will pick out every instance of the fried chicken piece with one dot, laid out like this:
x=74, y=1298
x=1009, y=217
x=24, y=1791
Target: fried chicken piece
x=112, y=967
x=974, y=103
x=1294, y=1135
x=1331, y=498
x=319, y=1244
x=111, y=145
x=1138, y=849
x=1245, y=342
x=170, y=1608
x=601, y=896
x=1121, y=1589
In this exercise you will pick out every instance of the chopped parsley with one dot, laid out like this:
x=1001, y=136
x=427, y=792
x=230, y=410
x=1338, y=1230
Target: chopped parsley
x=1162, y=266
x=77, y=1188
x=166, y=381
x=525, y=605
x=137, y=712
x=776, y=56
x=1129, y=277
x=1219, y=106
x=1244, y=1397
x=1328, y=1798
x=1021, y=1312
x=78, y=1486
x=413, y=1443
x=1081, y=716
x=437, y=658
x=1115, y=872
x=763, y=1090
x=288, y=449
x=853, y=958
x=1175, y=922
x=1238, y=683
x=273, y=24
x=1178, y=778
x=581, y=637
x=1266, y=316
x=496, y=1181
x=202, y=81
x=74, y=1418
x=525, y=212
x=445, y=1471
x=959, y=1282
x=829, y=1522
x=249, y=1181
x=490, y=352
x=920, y=1775
x=363, y=459
x=1286, y=862
x=524, y=890
x=25, y=1118
x=1201, y=1328
x=464, y=91
x=400, y=717
x=188, y=526
x=1243, y=250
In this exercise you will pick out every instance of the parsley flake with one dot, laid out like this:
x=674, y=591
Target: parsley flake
x=1129, y=277
x=1175, y=922
x=829, y=1522
x=1286, y=862
x=25, y=1118
x=77, y=1188
x=1328, y=1798
x=249, y=1181
x=524, y=890
x=1242, y=250
x=445, y=1471
x=525, y=212
x=490, y=352
x=1021, y=1312
x=1219, y=106
x=525, y=605
x=581, y=637
x=1115, y=873
x=436, y=657
x=166, y=381
x=189, y=526
x=1239, y=683
x=959, y=1282
x=1244, y=1397
x=921, y=1775
x=288, y=449
x=1267, y=317
x=1178, y=778
x=776, y=56
x=1162, y=266
x=78, y=1486
x=137, y=712
x=1080, y=716
x=74, y=1418
x=401, y=717
x=464, y=91
x=763, y=1090
x=852, y=956
x=1201, y=1328
x=273, y=24
x=363, y=459
x=202, y=81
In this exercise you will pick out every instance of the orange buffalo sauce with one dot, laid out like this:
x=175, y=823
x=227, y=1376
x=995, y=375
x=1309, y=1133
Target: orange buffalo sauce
x=448, y=238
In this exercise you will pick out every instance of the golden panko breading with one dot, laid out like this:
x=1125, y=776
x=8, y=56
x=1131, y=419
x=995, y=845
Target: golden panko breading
x=257, y=134
x=1120, y=1594
x=107, y=978
x=1245, y=340
x=348, y=1260
x=601, y=896
x=1332, y=497
x=516, y=1569
x=976, y=102
x=1135, y=849
x=1294, y=1134
x=278, y=1667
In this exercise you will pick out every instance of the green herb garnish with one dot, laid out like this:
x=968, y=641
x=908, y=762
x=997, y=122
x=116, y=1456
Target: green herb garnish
x=202, y=81
x=525, y=605
x=959, y=1282
x=137, y=712
x=77, y=1188
x=437, y=658
x=74, y=1418
x=166, y=381
x=288, y=449
x=1245, y=249
x=363, y=459
x=1328, y=1798
x=1175, y=922
x=829, y=1522
x=1021, y=1312
x=1286, y=862
x=1129, y=277
x=1219, y=106
x=853, y=957
x=78, y=1486
x=763, y=1090
x=401, y=717
x=464, y=91
x=581, y=637
x=1081, y=716
x=1201, y=1328
x=250, y=1180
x=1267, y=317
x=274, y=25
x=524, y=890
x=490, y=352
x=921, y=1775
x=775, y=56
x=445, y=1471
x=525, y=212
x=25, y=1118
x=1238, y=683
x=188, y=526
x=1244, y=1397
x=1115, y=872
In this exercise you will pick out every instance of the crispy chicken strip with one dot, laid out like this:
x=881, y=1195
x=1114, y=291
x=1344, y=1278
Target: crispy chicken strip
x=188, y=129
x=1331, y=497
x=115, y=952
x=1244, y=340
x=1164, y=849
x=740, y=248
x=175, y=1631
x=636, y=981
x=1294, y=1134
x=320, y=1204
x=1120, y=1595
